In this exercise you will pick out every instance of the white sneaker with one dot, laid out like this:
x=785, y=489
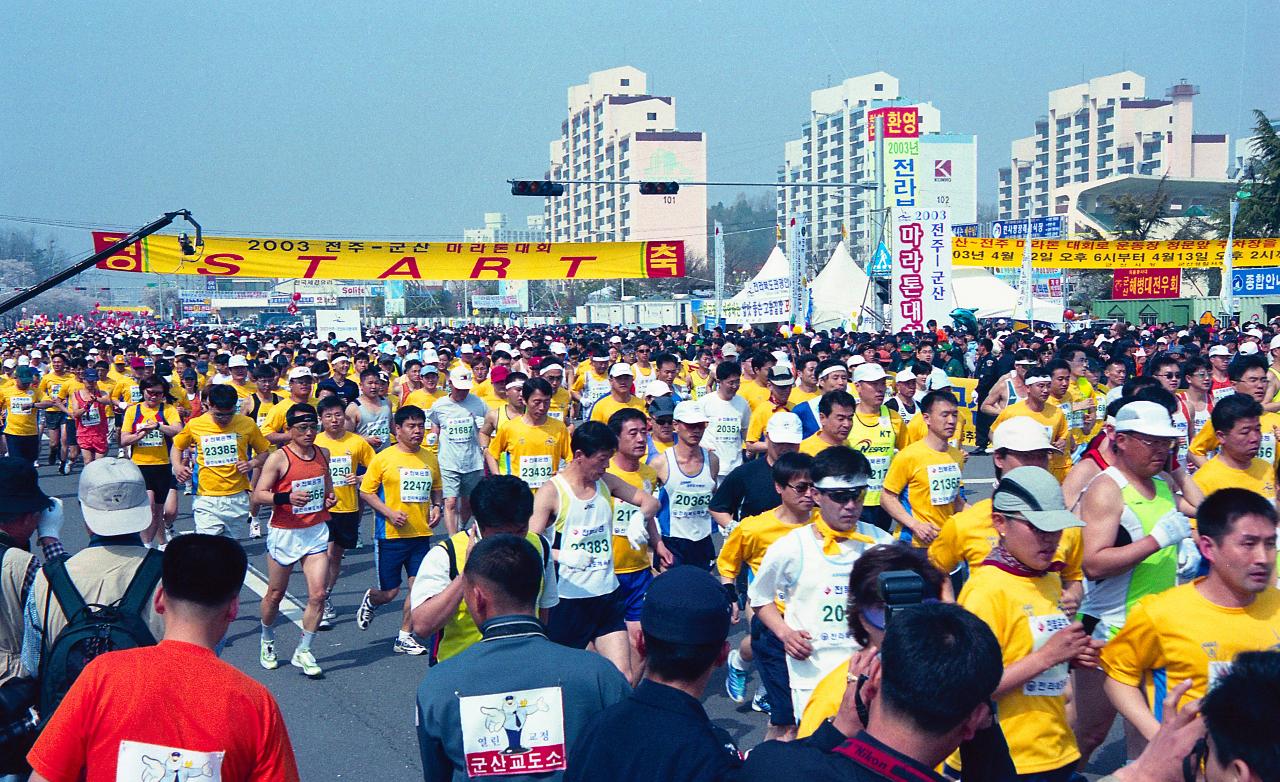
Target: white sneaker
x=304, y=659
x=255, y=529
x=409, y=645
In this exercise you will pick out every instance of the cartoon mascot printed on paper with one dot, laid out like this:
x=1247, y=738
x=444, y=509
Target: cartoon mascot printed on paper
x=173, y=769
x=511, y=717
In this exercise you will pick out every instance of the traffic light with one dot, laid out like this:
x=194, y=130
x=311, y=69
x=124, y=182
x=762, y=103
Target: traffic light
x=534, y=187
x=659, y=188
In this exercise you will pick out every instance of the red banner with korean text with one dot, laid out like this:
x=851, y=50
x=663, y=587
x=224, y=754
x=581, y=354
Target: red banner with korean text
x=1147, y=284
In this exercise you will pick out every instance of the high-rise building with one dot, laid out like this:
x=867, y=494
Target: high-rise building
x=1104, y=128
x=615, y=130
x=835, y=147
x=496, y=230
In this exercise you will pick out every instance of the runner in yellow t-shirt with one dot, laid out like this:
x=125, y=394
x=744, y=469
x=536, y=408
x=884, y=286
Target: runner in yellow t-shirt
x=1036, y=406
x=780, y=385
x=1236, y=420
x=349, y=453
x=532, y=447
x=927, y=474
x=147, y=430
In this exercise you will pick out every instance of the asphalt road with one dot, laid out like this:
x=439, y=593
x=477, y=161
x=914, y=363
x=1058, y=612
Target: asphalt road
x=357, y=721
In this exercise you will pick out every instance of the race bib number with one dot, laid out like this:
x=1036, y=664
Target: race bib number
x=879, y=468
x=154, y=438
x=623, y=513
x=460, y=430
x=135, y=394
x=137, y=760
x=727, y=430
x=382, y=432
x=314, y=487
x=92, y=416
x=944, y=483
x=1267, y=448
x=415, y=485
x=516, y=732
x=556, y=414
x=535, y=470
x=219, y=450
x=597, y=542
x=1222, y=393
x=340, y=469
x=688, y=504
x=55, y=389
x=1052, y=682
x=21, y=405
x=834, y=618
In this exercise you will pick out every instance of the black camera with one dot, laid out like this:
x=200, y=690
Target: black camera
x=899, y=589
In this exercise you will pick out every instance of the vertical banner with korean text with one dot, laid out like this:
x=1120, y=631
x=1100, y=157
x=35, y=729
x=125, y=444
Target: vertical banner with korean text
x=901, y=151
x=921, y=283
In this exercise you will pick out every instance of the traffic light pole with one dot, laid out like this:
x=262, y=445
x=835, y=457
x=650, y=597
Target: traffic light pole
x=24, y=296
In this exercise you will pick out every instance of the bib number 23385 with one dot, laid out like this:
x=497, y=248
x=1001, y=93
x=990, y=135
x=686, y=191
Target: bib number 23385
x=220, y=450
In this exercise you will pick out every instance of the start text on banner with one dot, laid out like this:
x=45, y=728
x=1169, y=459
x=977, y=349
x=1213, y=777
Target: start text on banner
x=377, y=260
x=1068, y=254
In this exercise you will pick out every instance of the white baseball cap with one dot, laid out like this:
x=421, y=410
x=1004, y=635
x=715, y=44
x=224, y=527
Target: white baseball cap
x=113, y=497
x=615, y=340
x=461, y=378
x=1248, y=348
x=784, y=427
x=869, y=373
x=1022, y=434
x=690, y=412
x=525, y=345
x=1275, y=343
x=466, y=348
x=322, y=355
x=905, y=376
x=300, y=373
x=1219, y=350
x=657, y=388
x=558, y=347
x=620, y=370
x=856, y=360
x=729, y=350
x=237, y=361
x=1147, y=418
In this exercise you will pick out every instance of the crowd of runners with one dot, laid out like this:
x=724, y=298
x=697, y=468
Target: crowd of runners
x=1128, y=545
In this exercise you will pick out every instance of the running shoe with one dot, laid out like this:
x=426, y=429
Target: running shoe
x=255, y=529
x=409, y=645
x=64, y=468
x=267, y=656
x=735, y=679
x=304, y=659
x=364, y=614
x=328, y=615
x=760, y=702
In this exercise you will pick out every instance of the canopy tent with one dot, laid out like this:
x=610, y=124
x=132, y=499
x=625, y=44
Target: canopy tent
x=838, y=295
x=766, y=298
x=975, y=287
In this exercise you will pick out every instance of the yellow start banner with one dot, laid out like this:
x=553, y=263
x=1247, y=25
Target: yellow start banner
x=319, y=259
x=1068, y=254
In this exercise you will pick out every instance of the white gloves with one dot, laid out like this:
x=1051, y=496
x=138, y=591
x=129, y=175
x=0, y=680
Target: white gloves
x=1188, y=560
x=637, y=531
x=50, y=522
x=1172, y=528
x=572, y=558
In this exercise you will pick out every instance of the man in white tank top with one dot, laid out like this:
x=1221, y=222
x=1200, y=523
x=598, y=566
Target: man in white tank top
x=807, y=570
x=575, y=511
x=688, y=473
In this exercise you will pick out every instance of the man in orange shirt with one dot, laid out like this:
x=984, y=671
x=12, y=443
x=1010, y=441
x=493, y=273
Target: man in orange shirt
x=217, y=720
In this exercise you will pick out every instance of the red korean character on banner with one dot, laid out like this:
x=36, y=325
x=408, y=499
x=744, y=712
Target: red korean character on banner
x=664, y=259
x=127, y=260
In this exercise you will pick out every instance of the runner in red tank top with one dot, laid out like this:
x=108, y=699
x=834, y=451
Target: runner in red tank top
x=295, y=482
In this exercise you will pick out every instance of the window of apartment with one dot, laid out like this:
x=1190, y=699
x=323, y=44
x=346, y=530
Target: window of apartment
x=653, y=115
x=879, y=88
x=1124, y=85
x=627, y=83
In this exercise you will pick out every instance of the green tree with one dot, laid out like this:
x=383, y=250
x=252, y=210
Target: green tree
x=749, y=234
x=1259, y=214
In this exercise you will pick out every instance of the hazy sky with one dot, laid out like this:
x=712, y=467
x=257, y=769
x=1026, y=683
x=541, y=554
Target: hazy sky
x=365, y=118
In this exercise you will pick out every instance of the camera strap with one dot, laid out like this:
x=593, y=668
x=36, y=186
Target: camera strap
x=883, y=761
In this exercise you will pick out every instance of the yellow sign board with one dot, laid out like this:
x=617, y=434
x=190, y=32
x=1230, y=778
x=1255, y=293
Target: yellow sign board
x=1070, y=254
x=320, y=259
x=1207, y=319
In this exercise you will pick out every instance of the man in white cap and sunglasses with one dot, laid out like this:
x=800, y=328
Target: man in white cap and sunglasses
x=1131, y=543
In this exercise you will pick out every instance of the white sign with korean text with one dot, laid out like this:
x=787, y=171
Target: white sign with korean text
x=921, y=257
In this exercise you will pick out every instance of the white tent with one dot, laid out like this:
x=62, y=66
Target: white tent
x=838, y=295
x=975, y=287
x=766, y=297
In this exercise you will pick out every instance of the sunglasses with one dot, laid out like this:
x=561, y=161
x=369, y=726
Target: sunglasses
x=843, y=496
x=305, y=427
x=803, y=487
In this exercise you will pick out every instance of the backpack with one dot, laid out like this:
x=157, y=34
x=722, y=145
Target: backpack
x=453, y=554
x=92, y=630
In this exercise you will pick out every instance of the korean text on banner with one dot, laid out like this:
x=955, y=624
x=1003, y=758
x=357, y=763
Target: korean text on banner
x=387, y=260
x=1255, y=282
x=1147, y=284
x=1066, y=254
x=921, y=285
